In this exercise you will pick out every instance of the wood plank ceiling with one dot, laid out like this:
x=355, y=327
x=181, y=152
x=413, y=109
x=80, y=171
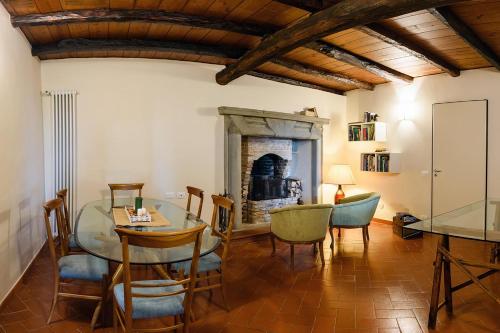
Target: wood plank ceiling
x=419, y=43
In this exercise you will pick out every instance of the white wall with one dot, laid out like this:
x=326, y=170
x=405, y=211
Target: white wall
x=156, y=121
x=410, y=190
x=21, y=155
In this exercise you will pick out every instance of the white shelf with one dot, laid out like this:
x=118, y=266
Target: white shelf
x=371, y=131
x=381, y=162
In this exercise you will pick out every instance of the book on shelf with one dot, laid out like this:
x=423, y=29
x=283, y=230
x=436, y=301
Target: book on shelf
x=354, y=133
x=383, y=163
x=368, y=162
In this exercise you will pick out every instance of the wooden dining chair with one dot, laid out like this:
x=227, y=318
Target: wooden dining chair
x=68, y=268
x=197, y=193
x=73, y=245
x=211, y=265
x=124, y=187
x=136, y=300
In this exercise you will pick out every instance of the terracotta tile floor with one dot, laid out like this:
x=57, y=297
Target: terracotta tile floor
x=384, y=289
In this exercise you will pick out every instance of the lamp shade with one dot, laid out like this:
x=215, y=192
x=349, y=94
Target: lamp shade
x=340, y=174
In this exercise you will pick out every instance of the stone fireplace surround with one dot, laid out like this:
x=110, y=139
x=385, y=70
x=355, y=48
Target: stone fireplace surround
x=243, y=128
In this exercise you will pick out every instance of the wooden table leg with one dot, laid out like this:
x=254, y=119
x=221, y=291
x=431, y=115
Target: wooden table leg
x=438, y=267
x=447, y=277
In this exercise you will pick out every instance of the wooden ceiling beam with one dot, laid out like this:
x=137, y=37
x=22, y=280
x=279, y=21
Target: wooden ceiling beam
x=446, y=15
x=309, y=5
x=80, y=44
x=93, y=45
x=382, y=33
x=344, y=15
x=287, y=80
x=355, y=60
x=320, y=73
x=138, y=15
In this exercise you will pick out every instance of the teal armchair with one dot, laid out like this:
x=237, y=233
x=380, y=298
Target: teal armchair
x=354, y=212
x=304, y=224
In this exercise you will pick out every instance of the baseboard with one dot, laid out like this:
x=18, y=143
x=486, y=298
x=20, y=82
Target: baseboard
x=382, y=221
x=22, y=275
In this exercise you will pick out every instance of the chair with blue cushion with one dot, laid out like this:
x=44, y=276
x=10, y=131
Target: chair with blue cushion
x=354, y=212
x=69, y=267
x=212, y=265
x=136, y=300
x=73, y=245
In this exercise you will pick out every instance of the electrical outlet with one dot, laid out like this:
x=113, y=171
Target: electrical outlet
x=169, y=195
x=181, y=195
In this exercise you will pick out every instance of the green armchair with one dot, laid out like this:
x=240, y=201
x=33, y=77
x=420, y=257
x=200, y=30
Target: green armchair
x=304, y=224
x=354, y=212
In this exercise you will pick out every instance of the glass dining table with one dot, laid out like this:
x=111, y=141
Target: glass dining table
x=94, y=232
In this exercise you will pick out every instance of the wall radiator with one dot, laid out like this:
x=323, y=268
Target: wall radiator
x=64, y=147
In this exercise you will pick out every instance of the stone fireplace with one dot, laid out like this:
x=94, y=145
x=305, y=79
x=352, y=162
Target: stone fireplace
x=272, y=160
x=265, y=165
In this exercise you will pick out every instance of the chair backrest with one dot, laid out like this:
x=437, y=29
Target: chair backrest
x=301, y=223
x=354, y=211
x=197, y=193
x=161, y=240
x=56, y=206
x=223, y=203
x=124, y=187
x=63, y=194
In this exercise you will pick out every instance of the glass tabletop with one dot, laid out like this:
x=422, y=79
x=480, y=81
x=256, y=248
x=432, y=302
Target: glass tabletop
x=95, y=233
x=479, y=220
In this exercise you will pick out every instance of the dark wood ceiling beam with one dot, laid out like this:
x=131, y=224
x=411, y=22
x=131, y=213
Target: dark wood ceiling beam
x=344, y=15
x=89, y=45
x=309, y=5
x=322, y=74
x=446, y=15
x=138, y=15
x=93, y=45
x=287, y=80
x=382, y=33
x=355, y=60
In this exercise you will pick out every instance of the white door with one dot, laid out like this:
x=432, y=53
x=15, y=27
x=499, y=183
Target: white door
x=459, y=156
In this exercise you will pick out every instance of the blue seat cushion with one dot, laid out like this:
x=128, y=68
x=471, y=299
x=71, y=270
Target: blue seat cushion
x=152, y=307
x=72, y=241
x=207, y=263
x=83, y=267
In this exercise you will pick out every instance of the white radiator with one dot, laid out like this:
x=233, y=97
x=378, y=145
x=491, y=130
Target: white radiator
x=60, y=147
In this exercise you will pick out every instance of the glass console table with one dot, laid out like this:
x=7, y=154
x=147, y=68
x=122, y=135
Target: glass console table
x=477, y=221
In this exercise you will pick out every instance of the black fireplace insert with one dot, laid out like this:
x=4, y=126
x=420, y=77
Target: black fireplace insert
x=267, y=179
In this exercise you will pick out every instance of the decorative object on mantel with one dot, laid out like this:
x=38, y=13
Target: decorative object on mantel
x=340, y=174
x=310, y=112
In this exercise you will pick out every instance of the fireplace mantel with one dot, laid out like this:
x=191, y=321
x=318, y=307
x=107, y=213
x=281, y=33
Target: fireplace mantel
x=241, y=122
x=249, y=122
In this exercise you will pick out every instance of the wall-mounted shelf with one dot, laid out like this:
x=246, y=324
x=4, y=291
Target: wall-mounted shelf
x=381, y=162
x=372, y=131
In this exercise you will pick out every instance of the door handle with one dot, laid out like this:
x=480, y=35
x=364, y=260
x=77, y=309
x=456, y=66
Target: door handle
x=436, y=171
